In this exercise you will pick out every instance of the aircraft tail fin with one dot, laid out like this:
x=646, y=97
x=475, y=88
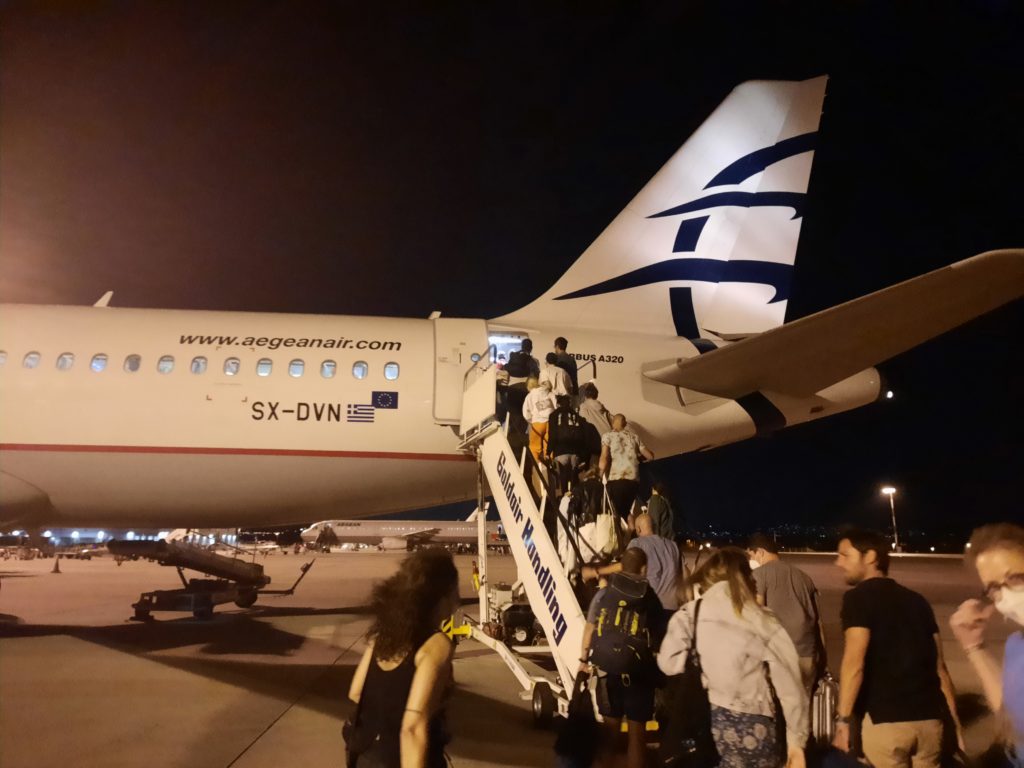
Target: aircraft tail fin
x=707, y=247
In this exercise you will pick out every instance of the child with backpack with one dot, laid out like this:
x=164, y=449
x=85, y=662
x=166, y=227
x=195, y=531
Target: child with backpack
x=624, y=626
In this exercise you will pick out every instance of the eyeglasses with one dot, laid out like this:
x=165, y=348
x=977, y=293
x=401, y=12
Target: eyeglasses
x=1014, y=582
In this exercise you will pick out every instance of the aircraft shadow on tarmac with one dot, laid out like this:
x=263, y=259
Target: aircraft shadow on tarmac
x=224, y=634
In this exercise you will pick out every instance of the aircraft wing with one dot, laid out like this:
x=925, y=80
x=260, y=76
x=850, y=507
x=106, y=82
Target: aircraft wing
x=424, y=534
x=814, y=352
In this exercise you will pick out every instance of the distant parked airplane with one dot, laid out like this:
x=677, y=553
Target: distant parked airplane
x=402, y=534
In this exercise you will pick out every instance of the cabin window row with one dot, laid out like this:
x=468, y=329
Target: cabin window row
x=199, y=364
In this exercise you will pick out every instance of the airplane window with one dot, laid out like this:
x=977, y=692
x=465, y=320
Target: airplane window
x=3, y=357
x=198, y=364
x=296, y=368
x=232, y=366
x=165, y=364
x=99, y=362
x=391, y=371
x=264, y=366
x=328, y=369
x=64, y=361
x=31, y=360
x=360, y=369
x=132, y=363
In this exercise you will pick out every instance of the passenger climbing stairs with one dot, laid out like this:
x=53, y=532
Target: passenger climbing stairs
x=541, y=574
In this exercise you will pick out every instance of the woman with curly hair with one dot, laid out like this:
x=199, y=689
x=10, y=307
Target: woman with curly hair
x=740, y=645
x=400, y=682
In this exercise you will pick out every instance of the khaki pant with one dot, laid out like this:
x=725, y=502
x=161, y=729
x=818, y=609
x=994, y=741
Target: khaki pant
x=916, y=743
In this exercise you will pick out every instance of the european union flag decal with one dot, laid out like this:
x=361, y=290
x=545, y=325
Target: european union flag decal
x=384, y=399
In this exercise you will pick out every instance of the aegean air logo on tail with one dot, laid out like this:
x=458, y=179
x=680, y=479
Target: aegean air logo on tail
x=718, y=270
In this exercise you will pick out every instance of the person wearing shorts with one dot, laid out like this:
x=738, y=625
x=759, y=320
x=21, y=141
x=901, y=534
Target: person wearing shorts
x=628, y=695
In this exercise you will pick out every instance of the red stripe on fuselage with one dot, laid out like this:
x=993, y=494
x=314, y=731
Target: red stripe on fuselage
x=198, y=451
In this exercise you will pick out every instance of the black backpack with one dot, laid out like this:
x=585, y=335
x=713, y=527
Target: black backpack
x=518, y=365
x=621, y=642
x=567, y=433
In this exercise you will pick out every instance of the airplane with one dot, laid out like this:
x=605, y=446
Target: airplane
x=121, y=417
x=222, y=541
x=401, y=534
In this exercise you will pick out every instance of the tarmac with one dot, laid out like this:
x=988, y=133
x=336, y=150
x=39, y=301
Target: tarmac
x=82, y=685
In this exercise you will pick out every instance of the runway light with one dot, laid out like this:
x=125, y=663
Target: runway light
x=933, y=549
x=130, y=535
x=15, y=533
x=47, y=534
x=968, y=545
x=888, y=394
x=74, y=535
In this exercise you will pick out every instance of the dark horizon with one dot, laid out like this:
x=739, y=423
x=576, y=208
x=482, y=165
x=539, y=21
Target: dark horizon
x=310, y=158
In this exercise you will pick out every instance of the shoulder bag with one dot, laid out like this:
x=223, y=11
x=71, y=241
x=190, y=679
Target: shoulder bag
x=686, y=740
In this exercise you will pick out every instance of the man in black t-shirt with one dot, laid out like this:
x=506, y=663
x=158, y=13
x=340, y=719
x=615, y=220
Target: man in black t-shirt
x=892, y=671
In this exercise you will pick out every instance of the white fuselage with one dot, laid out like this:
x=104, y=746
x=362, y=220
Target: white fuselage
x=180, y=448
x=402, y=533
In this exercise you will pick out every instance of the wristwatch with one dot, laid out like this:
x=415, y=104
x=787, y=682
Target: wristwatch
x=843, y=719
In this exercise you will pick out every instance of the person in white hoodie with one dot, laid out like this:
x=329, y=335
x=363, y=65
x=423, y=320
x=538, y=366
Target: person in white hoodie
x=740, y=645
x=536, y=410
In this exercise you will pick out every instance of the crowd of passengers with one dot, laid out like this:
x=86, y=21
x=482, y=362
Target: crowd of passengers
x=750, y=618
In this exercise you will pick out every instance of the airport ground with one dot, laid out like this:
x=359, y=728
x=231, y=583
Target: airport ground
x=81, y=685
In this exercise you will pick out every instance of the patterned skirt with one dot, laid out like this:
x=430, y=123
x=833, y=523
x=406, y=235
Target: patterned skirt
x=745, y=741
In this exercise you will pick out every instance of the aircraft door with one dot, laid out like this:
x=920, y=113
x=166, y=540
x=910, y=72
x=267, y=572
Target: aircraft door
x=455, y=341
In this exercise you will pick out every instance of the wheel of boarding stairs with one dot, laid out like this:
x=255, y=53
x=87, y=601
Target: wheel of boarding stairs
x=202, y=608
x=246, y=599
x=543, y=705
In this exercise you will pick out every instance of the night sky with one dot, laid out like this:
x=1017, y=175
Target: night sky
x=301, y=157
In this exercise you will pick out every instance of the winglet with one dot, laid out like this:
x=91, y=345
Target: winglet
x=104, y=300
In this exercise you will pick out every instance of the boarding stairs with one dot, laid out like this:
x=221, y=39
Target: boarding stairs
x=541, y=573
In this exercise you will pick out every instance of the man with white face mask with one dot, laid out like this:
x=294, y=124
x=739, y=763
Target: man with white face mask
x=790, y=594
x=997, y=552
x=892, y=671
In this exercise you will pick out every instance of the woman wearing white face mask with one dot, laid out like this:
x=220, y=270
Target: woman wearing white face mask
x=997, y=552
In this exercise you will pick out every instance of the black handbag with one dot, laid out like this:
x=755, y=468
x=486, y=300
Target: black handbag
x=349, y=733
x=686, y=740
x=357, y=740
x=580, y=734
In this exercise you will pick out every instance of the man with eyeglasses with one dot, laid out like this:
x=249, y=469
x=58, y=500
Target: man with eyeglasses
x=892, y=673
x=997, y=553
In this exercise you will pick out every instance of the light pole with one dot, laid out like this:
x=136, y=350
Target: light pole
x=889, y=491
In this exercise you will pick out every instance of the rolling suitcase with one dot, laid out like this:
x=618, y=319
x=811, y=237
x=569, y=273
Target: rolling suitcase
x=823, y=709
